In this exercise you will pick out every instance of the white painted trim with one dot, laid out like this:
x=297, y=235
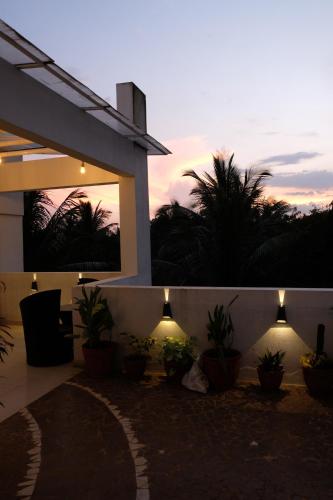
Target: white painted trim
x=26, y=487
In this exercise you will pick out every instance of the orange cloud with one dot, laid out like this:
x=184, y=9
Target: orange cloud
x=165, y=172
x=300, y=196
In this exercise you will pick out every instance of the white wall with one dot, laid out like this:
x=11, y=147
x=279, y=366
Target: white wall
x=18, y=286
x=11, y=240
x=138, y=310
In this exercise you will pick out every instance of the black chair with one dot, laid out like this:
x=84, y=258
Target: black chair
x=47, y=342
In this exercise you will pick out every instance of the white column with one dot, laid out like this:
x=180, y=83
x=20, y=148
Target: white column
x=11, y=232
x=135, y=225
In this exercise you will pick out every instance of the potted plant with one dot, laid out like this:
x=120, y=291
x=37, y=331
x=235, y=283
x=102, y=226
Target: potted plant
x=177, y=356
x=318, y=368
x=96, y=320
x=221, y=364
x=135, y=363
x=270, y=370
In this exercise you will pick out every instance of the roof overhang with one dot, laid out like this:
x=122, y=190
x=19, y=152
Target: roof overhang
x=29, y=59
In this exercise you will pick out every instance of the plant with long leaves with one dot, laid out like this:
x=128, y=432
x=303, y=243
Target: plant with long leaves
x=270, y=361
x=95, y=316
x=220, y=328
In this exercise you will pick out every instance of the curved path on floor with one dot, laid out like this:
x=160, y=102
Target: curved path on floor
x=111, y=439
x=71, y=444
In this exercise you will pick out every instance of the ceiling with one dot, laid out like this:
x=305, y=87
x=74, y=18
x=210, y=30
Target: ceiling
x=11, y=146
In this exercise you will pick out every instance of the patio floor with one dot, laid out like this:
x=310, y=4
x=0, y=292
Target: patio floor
x=118, y=439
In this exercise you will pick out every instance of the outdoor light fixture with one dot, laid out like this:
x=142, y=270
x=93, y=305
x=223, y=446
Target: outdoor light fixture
x=34, y=284
x=82, y=168
x=281, y=316
x=167, y=313
x=80, y=279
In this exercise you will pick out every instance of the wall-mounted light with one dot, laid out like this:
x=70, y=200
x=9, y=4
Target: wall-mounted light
x=80, y=279
x=34, y=284
x=82, y=168
x=281, y=316
x=167, y=313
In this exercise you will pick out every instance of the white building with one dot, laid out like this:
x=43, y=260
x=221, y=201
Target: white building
x=45, y=110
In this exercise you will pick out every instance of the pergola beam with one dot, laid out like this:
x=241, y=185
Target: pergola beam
x=51, y=173
x=31, y=110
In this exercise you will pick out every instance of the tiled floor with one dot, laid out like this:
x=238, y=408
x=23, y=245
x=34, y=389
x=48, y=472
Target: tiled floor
x=99, y=439
x=21, y=384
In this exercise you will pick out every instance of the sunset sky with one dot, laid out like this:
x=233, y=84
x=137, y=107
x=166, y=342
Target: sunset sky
x=250, y=77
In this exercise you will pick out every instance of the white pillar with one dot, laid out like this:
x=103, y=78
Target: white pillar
x=135, y=225
x=133, y=194
x=11, y=232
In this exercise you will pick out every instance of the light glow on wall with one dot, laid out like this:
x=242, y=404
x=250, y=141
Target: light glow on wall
x=282, y=337
x=168, y=328
x=281, y=314
x=34, y=284
x=281, y=296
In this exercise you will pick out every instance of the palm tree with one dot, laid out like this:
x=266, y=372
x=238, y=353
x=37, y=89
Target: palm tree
x=74, y=237
x=229, y=201
x=45, y=234
x=93, y=240
x=180, y=243
x=36, y=213
x=35, y=219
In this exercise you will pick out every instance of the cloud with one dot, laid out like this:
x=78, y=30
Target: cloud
x=165, y=172
x=305, y=208
x=315, y=180
x=302, y=193
x=307, y=133
x=288, y=159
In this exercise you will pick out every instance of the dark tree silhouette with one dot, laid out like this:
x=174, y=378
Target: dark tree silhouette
x=93, y=240
x=180, y=245
x=229, y=200
x=223, y=239
x=74, y=237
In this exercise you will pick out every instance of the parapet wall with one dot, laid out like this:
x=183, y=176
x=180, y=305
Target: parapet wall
x=138, y=310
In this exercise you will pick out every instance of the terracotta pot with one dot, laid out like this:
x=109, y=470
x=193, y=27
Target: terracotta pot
x=135, y=366
x=319, y=381
x=221, y=377
x=175, y=371
x=270, y=380
x=99, y=361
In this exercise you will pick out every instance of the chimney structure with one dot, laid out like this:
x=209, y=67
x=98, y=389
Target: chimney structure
x=131, y=102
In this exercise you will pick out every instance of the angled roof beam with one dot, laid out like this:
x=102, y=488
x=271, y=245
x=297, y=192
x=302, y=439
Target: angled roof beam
x=33, y=65
x=59, y=125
